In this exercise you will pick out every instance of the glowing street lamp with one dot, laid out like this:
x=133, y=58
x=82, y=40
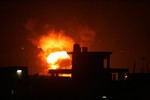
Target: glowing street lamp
x=19, y=73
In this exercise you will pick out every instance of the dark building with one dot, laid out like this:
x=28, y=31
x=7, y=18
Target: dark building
x=91, y=72
x=13, y=81
x=92, y=78
x=88, y=65
x=13, y=72
x=91, y=66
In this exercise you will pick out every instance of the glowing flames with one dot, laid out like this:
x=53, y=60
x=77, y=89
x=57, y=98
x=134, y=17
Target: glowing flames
x=54, y=41
x=54, y=58
x=54, y=47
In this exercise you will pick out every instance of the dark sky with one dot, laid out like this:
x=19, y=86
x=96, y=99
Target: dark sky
x=120, y=27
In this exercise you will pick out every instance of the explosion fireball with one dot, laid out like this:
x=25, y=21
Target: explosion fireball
x=54, y=58
x=54, y=47
x=53, y=44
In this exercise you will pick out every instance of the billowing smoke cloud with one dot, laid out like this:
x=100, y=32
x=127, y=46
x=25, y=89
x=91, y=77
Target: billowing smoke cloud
x=56, y=37
x=71, y=28
x=80, y=32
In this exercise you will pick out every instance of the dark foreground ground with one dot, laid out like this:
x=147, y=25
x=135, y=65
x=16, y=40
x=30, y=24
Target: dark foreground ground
x=41, y=88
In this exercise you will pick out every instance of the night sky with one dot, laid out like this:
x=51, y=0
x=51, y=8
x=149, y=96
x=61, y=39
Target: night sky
x=120, y=27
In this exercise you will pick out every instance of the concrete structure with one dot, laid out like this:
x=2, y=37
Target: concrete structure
x=13, y=72
x=89, y=66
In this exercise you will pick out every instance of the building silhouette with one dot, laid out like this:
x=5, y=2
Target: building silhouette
x=91, y=66
x=91, y=78
x=13, y=72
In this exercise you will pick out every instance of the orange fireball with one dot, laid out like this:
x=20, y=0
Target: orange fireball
x=54, y=58
x=54, y=47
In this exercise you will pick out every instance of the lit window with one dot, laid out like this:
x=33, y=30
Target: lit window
x=104, y=97
x=19, y=73
x=126, y=77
